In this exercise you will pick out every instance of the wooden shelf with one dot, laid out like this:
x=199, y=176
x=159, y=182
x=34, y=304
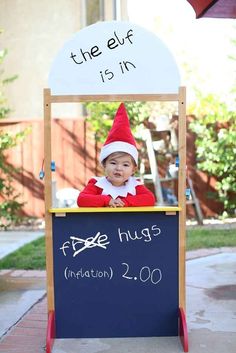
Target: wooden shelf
x=118, y=209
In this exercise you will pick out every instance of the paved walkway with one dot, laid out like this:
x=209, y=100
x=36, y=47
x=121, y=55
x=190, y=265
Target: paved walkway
x=29, y=333
x=23, y=317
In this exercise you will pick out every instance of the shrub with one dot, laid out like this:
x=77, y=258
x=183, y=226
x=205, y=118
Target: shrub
x=9, y=208
x=215, y=129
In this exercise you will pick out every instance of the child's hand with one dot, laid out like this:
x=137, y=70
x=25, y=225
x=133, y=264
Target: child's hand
x=119, y=202
x=116, y=203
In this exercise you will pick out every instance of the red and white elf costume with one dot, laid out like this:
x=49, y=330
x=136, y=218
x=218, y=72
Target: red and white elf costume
x=99, y=191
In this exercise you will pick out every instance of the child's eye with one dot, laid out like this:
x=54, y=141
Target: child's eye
x=126, y=165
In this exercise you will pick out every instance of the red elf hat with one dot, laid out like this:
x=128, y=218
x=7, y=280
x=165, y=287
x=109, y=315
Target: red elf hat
x=120, y=138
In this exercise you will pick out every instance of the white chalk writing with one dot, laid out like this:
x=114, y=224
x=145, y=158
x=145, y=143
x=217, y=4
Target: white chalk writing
x=90, y=273
x=145, y=274
x=99, y=240
x=146, y=234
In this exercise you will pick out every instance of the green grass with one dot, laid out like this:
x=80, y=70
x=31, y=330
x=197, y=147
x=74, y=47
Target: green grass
x=200, y=238
x=32, y=256
x=29, y=257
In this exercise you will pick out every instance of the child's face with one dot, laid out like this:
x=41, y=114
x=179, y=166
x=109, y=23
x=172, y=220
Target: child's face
x=119, y=168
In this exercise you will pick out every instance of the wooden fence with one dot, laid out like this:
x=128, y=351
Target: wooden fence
x=74, y=152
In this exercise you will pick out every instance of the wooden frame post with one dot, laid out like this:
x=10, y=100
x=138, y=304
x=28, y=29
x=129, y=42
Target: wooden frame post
x=181, y=194
x=48, y=198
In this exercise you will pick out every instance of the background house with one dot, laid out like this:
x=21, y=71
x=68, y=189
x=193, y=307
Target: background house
x=33, y=33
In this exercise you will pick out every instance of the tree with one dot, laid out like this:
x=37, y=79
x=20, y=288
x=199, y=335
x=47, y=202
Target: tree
x=215, y=129
x=9, y=208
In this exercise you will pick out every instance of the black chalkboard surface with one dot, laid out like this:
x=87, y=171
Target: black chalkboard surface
x=116, y=274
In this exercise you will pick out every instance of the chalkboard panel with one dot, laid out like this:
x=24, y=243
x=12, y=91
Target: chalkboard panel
x=116, y=274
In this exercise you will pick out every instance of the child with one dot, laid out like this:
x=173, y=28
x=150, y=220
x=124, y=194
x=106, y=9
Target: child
x=119, y=158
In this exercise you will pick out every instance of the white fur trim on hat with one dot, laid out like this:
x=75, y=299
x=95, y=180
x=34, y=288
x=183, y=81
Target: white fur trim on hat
x=119, y=146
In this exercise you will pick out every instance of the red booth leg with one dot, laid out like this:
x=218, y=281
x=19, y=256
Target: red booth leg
x=183, y=331
x=50, y=331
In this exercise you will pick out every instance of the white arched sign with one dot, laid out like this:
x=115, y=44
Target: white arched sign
x=114, y=58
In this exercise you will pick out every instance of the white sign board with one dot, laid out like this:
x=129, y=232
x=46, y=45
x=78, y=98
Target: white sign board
x=114, y=58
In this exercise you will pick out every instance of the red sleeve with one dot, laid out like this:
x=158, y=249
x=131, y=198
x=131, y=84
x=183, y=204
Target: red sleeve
x=91, y=196
x=143, y=197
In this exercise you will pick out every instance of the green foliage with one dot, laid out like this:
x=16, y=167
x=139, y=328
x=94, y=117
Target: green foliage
x=29, y=257
x=101, y=117
x=200, y=238
x=4, y=109
x=32, y=256
x=9, y=208
x=215, y=128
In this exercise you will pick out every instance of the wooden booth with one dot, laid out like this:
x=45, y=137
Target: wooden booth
x=115, y=272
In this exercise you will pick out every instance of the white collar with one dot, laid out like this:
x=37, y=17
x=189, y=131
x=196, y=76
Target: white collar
x=115, y=191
